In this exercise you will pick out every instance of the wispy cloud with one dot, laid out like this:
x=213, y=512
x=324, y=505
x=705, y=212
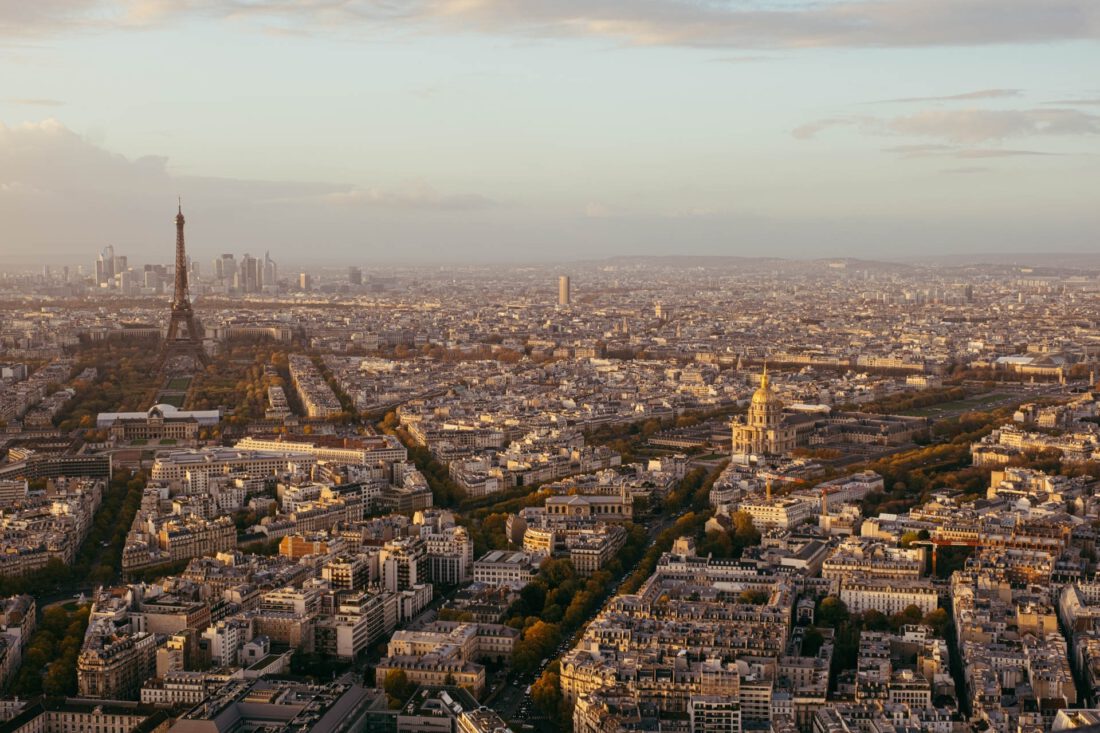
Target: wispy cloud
x=29, y=102
x=743, y=59
x=967, y=126
x=964, y=97
x=981, y=125
x=1075, y=102
x=966, y=170
x=931, y=150
x=811, y=129
x=998, y=153
x=418, y=195
x=920, y=150
x=742, y=24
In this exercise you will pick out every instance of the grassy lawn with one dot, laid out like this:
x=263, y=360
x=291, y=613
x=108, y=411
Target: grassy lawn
x=168, y=441
x=175, y=400
x=976, y=403
x=179, y=384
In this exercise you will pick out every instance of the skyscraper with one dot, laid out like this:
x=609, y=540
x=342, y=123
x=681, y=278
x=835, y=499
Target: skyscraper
x=304, y=281
x=270, y=272
x=563, y=290
x=249, y=274
x=355, y=275
x=105, y=267
x=228, y=271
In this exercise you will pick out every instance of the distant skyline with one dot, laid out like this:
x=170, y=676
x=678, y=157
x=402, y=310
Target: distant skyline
x=352, y=131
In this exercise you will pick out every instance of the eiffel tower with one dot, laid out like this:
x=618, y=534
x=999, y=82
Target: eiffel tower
x=184, y=332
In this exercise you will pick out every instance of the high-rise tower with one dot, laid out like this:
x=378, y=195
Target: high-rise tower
x=184, y=334
x=564, y=294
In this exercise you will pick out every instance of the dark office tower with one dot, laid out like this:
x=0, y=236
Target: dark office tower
x=228, y=270
x=105, y=267
x=108, y=256
x=355, y=275
x=270, y=272
x=305, y=282
x=242, y=273
x=249, y=274
x=184, y=335
x=969, y=293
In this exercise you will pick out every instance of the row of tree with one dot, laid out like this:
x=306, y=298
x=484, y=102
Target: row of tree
x=559, y=601
x=905, y=401
x=910, y=477
x=126, y=378
x=692, y=491
x=445, y=492
x=49, y=661
x=94, y=562
x=833, y=613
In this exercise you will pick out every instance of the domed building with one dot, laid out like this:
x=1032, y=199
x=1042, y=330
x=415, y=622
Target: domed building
x=763, y=431
x=159, y=422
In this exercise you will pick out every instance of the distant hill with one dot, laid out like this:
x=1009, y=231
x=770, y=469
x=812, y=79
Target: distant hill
x=1090, y=260
x=742, y=262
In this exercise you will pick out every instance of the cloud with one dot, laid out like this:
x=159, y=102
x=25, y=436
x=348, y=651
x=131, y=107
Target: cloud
x=61, y=193
x=964, y=97
x=981, y=125
x=933, y=150
x=52, y=158
x=1075, y=102
x=36, y=102
x=966, y=170
x=62, y=198
x=919, y=150
x=810, y=129
x=414, y=196
x=743, y=59
x=742, y=24
x=967, y=126
x=998, y=153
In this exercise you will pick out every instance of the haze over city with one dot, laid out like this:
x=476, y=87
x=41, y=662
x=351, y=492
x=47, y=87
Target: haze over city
x=539, y=130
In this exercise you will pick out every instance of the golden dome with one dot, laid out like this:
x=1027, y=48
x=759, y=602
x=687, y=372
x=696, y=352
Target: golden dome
x=764, y=395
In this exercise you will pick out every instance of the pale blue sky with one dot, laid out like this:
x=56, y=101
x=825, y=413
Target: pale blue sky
x=534, y=129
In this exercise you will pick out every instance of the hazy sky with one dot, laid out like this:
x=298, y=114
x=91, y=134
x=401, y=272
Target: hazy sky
x=366, y=130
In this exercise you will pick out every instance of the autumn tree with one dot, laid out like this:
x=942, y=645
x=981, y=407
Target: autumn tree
x=398, y=687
